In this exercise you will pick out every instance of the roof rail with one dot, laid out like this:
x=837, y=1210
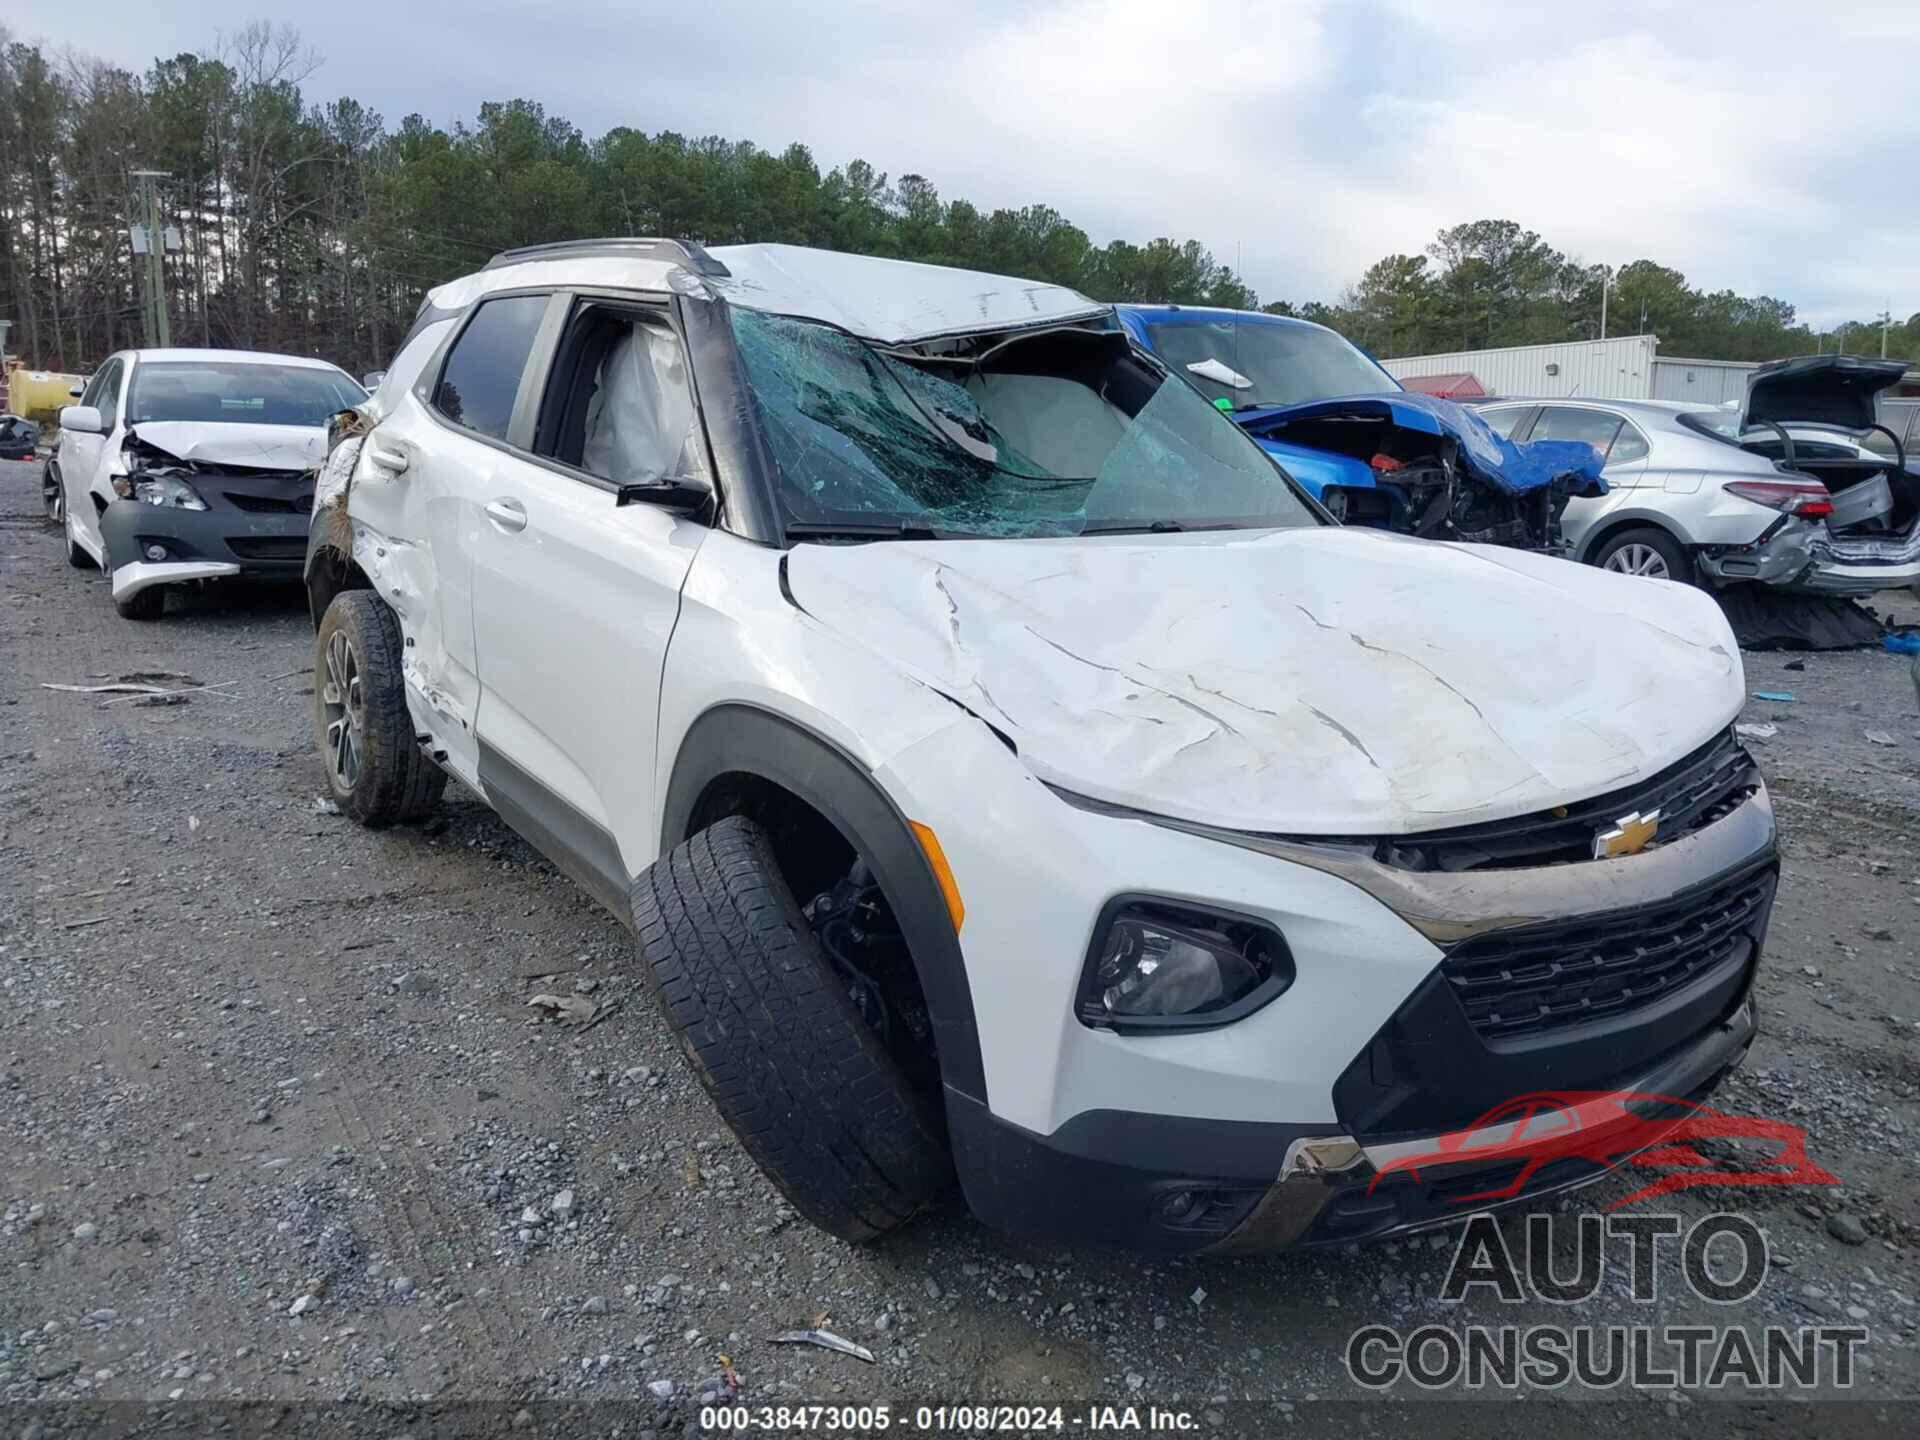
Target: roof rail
x=687, y=251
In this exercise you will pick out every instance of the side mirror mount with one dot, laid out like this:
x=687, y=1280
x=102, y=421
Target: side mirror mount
x=371, y=380
x=83, y=418
x=682, y=494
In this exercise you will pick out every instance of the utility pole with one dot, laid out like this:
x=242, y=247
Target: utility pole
x=153, y=312
x=1886, y=319
x=1606, y=284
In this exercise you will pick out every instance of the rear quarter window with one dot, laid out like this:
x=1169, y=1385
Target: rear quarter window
x=481, y=377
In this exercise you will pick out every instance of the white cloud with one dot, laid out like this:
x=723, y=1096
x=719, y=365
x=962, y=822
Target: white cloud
x=1762, y=146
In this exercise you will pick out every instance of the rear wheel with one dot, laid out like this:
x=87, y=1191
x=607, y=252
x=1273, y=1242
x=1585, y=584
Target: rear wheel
x=778, y=1041
x=376, y=772
x=1648, y=552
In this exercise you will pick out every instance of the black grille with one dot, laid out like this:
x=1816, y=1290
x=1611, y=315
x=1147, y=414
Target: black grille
x=1689, y=795
x=270, y=504
x=1544, y=978
x=268, y=547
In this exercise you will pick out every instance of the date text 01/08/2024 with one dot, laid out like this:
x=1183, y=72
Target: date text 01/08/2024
x=970, y=1419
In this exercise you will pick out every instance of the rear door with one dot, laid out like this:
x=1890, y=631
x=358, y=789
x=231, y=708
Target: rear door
x=575, y=594
x=423, y=478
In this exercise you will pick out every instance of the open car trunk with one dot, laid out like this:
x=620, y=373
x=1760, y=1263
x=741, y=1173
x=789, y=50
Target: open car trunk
x=1808, y=415
x=1424, y=466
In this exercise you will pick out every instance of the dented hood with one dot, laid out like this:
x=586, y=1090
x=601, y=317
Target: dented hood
x=263, y=447
x=1314, y=681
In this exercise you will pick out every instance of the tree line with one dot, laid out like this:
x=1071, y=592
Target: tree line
x=314, y=227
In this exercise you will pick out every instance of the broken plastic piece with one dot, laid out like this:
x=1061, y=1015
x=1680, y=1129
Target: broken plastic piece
x=826, y=1340
x=1756, y=732
x=1779, y=697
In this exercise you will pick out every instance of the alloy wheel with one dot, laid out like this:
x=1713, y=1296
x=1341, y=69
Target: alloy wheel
x=346, y=709
x=1638, y=560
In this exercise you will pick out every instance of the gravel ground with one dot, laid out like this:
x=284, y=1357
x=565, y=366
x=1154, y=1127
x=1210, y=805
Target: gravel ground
x=279, y=1122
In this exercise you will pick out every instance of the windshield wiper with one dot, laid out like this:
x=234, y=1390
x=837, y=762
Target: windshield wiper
x=857, y=530
x=1138, y=527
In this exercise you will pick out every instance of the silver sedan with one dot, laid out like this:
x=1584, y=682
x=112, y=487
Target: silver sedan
x=1693, y=498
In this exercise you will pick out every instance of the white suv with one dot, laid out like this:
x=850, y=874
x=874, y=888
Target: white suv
x=1007, y=771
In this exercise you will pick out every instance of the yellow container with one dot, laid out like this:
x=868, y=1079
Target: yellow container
x=39, y=394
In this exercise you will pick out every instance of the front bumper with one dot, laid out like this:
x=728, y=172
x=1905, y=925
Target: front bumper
x=1196, y=1186
x=223, y=540
x=1441, y=1061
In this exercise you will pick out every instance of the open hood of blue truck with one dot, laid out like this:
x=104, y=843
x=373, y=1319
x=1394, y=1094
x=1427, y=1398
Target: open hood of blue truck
x=1488, y=455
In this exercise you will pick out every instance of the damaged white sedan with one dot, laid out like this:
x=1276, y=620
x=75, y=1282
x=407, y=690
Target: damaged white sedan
x=1010, y=775
x=192, y=465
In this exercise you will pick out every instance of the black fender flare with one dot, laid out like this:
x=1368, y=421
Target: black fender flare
x=736, y=739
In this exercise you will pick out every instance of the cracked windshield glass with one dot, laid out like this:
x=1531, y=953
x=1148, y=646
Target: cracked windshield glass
x=1062, y=432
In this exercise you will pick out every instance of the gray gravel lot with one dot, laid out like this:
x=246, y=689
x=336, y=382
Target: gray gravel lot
x=279, y=1123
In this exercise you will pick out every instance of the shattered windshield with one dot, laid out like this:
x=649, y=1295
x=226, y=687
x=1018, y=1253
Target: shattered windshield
x=1063, y=432
x=237, y=391
x=1252, y=363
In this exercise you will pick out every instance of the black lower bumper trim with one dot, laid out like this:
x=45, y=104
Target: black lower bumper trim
x=267, y=546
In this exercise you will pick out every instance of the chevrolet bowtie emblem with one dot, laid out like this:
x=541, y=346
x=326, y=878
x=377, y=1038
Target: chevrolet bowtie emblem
x=1629, y=836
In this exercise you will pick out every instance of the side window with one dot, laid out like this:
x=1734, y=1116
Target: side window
x=108, y=400
x=1563, y=422
x=478, y=383
x=1628, y=445
x=1504, y=420
x=619, y=405
x=103, y=390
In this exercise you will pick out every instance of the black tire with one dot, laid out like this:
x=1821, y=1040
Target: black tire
x=147, y=604
x=773, y=1037
x=357, y=687
x=1628, y=549
x=52, y=497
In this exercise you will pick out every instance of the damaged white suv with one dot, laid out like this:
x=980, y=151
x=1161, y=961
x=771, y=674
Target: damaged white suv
x=1010, y=775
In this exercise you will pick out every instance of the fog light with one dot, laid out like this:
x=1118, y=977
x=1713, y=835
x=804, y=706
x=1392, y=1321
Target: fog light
x=156, y=552
x=1157, y=966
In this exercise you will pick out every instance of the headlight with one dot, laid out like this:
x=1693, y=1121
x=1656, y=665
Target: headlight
x=159, y=487
x=1160, y=966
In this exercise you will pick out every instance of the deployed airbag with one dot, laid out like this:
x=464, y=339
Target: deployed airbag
x=640, y=421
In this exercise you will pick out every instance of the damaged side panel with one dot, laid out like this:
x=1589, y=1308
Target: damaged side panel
x=362, y=508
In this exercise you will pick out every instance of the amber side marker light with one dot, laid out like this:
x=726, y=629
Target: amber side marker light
x=943, y=872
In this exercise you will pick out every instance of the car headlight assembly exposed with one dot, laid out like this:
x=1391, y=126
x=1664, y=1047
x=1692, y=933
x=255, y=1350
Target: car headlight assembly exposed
x=1159, y=965
x=167, y=488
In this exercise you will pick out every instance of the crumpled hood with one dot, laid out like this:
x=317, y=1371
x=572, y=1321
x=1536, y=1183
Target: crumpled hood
x=1819, y=390
x=264, y=447
x=1491, y=456
x=1314, y=681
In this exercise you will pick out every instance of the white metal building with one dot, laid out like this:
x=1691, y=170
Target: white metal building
x=1628, y=367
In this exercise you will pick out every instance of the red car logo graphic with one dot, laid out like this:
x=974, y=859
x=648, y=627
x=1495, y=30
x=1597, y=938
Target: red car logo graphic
x=1610, y=1129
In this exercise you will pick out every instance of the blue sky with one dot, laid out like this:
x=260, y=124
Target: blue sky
x=1767, y=146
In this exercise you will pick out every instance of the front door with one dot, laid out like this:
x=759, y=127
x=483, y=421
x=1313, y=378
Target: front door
x=575, y=595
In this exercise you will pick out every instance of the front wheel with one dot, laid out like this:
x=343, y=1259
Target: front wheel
x=376, y=773
x=53, y=494
x=1647, y=552
x=774, y=1037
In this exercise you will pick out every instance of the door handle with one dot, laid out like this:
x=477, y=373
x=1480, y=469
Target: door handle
x=388, y=455
x=507, y=514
